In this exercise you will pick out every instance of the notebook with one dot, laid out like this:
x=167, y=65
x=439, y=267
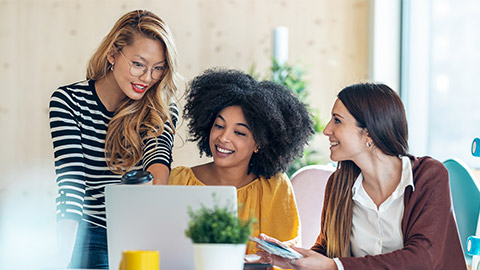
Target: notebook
x=155, y=218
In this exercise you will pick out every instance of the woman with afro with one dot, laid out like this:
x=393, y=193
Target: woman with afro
x=253, y=130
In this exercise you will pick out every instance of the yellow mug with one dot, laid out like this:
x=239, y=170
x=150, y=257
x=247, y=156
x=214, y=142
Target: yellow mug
x=140, y=260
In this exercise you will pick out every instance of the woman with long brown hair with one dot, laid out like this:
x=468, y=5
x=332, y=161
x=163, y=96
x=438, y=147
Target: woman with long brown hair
x=121, y=118
x=383, y=208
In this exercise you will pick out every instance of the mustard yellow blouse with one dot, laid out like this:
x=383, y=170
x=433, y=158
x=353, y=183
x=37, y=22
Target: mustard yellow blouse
x=270, y=201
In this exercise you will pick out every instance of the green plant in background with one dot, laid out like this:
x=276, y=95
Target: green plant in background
x=217, y=225
x=291, y=76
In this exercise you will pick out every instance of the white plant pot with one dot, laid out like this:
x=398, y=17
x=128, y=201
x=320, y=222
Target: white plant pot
x=219, y=256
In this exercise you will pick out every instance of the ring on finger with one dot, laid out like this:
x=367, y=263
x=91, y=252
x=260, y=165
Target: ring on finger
x=292, y=261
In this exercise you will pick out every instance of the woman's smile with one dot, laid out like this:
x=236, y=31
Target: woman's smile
x=333, y=144
x=139, y=88
x=223, y=151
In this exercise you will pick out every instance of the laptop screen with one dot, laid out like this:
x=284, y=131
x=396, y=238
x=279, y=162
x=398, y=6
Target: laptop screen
x=155, y=218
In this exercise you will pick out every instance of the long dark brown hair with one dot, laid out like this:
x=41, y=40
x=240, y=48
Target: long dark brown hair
x=379, y=110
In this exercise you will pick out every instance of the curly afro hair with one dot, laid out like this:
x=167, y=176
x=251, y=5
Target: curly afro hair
x=280, y=123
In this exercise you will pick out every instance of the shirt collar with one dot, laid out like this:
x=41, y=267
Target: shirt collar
x=407, y=177
x=405, y=181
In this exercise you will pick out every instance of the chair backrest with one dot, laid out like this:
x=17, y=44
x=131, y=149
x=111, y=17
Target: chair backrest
x=309, y=187
x=466, y=200
x=476, y=258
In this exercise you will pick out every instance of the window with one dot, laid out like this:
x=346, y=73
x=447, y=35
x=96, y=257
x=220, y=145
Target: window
x=439, y=77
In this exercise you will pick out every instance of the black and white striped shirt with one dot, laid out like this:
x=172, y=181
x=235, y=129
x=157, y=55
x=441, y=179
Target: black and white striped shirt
x=78, y=125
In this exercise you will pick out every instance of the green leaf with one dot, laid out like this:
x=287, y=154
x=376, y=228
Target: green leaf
x=217, y=225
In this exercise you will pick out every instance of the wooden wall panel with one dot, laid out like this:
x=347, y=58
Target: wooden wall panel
x=45, y=44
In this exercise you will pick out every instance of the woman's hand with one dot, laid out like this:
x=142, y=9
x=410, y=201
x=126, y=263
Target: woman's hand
x=311, y=260
x=266, y=257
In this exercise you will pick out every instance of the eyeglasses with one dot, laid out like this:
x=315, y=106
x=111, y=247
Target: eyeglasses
x=138, y=69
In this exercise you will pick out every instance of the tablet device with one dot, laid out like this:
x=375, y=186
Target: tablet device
x=276, y=248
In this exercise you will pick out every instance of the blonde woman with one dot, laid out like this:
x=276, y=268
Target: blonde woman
x=122, y=117
x=384, y=209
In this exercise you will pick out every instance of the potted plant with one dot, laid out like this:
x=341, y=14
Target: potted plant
x=219, y=237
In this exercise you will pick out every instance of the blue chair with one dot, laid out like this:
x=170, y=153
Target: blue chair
x=466, y=200
x=476, y=258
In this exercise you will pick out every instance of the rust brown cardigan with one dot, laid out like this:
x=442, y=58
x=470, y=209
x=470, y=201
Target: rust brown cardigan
x=430, y=236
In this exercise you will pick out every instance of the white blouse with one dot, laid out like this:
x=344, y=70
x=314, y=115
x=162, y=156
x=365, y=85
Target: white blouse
x=378, y=230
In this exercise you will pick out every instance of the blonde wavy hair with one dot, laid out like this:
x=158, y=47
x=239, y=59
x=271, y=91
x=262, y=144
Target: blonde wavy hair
x=378, y=110
x=136, y=120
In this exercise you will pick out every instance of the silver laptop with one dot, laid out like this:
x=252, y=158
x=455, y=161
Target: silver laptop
x=155, y=218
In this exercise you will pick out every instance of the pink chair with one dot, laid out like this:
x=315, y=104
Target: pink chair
x=309, y=188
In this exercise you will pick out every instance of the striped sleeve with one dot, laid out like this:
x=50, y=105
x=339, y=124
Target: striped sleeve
x=68, y=153
x=159, y=149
